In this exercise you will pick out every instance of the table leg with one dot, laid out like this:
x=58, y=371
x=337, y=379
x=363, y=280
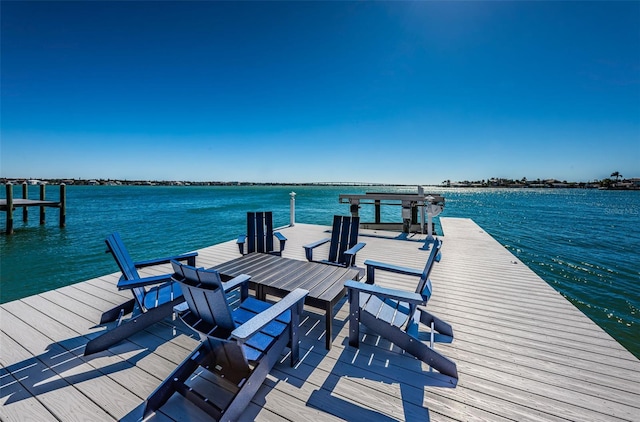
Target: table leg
x=328, y=325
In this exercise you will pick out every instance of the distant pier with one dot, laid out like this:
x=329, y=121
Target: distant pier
x=10, y=204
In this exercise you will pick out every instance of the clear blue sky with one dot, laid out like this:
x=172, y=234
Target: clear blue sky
x=389, y=92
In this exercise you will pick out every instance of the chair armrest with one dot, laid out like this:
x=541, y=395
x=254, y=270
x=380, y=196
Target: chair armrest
x=383, y=292
x=235, y=282
x=350, y=256
x=282, y=239
x=354, y=250
x=189, y=257
x=241, y=281
x=382, y=266
x=256, y=323
x=308, y=249
x=141, y=282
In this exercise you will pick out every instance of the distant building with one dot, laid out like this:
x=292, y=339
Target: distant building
x=633, y=183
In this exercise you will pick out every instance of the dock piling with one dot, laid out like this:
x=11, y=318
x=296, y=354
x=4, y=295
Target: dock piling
x=9, y=188
x=42, y=195
x=25, y=195
x=63, y=205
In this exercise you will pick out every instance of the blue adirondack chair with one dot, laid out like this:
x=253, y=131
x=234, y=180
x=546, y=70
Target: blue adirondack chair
x=240, y=344
x=153, y=297
x=260, y=234
x=396, y=314
x=344, y=242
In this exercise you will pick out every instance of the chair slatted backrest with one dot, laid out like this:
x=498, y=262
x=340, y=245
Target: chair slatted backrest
x=126, y=264
x=260, y=231
x=203, y=291
x=424, y=285
x=344, y=235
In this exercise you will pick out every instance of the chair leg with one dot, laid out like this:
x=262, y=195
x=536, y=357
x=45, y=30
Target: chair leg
x=439, y=325
x=354, y=318
x=328, y=326
x=138, y=323
x=294, y=333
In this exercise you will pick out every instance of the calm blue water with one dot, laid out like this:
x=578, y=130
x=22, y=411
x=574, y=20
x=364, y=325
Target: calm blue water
x=584, y=243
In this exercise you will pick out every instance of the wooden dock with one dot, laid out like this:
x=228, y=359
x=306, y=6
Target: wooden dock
x=9, y=204
x=523, y=352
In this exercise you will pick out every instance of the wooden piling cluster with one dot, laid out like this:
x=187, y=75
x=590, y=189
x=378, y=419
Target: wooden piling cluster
x=10, y=204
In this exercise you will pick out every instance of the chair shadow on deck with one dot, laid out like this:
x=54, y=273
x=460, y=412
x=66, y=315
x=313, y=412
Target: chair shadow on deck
x=57, y=367
x=395, y=376
x=353, y=376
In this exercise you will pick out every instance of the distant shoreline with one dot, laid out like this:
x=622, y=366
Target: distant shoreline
x=605, y=184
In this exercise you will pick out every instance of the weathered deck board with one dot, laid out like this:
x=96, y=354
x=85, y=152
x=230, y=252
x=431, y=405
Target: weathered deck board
x=523, y=352
x=57, y=393
x=19, y=403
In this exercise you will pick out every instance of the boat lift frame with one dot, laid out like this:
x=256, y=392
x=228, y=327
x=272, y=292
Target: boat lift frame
x=429, y=206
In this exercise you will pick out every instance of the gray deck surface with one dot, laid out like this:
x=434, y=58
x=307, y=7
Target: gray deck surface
x=523, y=351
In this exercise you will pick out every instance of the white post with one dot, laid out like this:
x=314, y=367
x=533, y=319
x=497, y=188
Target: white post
x=422, y=208
x=292, y=207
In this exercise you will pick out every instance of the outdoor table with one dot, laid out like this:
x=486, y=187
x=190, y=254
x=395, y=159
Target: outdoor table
x=277, y=276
